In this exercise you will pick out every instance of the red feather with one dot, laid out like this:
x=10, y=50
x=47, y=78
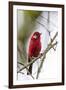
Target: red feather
x=34, y=47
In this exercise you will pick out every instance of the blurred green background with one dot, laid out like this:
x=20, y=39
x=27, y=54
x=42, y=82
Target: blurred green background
x=28, y=18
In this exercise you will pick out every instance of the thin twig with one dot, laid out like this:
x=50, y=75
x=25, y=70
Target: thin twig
x=30, y=62
x=50, y=45
x=23, y=64
x=39, y=69
x=39, y=55
x=21, y=72
x=26, y=69
x=37, y=21
x=47, y=49
x=53, y=38
x=50, y=21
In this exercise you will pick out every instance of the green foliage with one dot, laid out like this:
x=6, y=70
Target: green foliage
x=34, y=14
x=27, y=28
x=29, y=24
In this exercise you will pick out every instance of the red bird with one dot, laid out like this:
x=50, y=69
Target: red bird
x=34, y=48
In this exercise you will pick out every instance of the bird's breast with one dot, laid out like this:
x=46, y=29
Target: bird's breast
x=34, y=48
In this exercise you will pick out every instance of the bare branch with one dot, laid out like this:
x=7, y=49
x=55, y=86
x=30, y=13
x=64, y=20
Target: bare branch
x=50, y=45
x=26, y=69
x=44, y=55
x=30, y=63
x=48, y=48
x=53, y=38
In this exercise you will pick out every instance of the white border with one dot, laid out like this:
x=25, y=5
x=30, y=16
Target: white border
x=15, y=81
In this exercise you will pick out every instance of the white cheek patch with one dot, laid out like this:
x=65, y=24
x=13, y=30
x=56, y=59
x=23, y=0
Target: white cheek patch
x=35, y=36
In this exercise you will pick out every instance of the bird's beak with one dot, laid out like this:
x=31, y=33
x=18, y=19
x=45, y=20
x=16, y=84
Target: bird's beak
x=40, y=33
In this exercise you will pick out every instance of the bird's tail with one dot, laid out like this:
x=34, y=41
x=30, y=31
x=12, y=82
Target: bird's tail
x=30, y=67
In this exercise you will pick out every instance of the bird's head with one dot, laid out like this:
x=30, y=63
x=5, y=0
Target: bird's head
x=36, y=36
